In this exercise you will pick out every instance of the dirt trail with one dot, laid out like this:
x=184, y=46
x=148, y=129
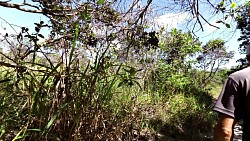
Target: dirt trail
x=238, y=132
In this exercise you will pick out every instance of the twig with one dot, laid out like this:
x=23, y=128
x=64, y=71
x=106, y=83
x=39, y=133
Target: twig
x=143, y=11
x=17, y=6
x=43, y=11
x=208, y=22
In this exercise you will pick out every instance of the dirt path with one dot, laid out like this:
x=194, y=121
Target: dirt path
x=237, y=135
x=238, y=132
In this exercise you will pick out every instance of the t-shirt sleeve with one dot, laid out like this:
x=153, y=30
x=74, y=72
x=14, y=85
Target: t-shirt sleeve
x=228, y=101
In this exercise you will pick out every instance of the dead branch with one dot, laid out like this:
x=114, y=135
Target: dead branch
x=43, y=11
x=19, y=7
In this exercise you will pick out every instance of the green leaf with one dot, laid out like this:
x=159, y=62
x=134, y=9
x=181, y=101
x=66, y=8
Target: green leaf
x=88, y=17
x=35, y=130
x=54, y=118
x=18, y=135
x=219, y=21
x=228, y=25
x=74, y=42
x=85, y=13
x=233, y=5
x=226, y=17
x=100, y=1
x=222, y=3
x=37, y=29
x=40, y=35
x=132, y=71
x=2, y=132
x=120, y=84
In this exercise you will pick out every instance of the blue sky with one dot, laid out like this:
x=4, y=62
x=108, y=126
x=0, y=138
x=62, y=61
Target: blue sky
x=20, y=18
x=230, y=35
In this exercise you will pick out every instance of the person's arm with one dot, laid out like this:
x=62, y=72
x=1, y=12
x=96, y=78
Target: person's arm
x=224, y=129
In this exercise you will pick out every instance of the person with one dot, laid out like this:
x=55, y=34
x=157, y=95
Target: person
x=233, y=104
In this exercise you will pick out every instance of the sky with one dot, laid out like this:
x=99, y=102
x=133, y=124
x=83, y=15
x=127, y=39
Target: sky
x=229, y=35
x=18, y=18
x=167, y=19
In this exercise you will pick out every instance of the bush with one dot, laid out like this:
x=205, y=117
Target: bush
x=184, y=118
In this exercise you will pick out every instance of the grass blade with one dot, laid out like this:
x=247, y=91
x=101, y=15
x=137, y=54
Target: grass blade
x=54, y=118
x=74, y=42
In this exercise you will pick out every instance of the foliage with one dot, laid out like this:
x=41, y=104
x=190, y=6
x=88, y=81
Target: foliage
x=213, y=55
x=186, y=104
x=187, y=111
x=183, y=111
x=243, y=25
x=176, y=47
x=99, y=75
x=174, y=61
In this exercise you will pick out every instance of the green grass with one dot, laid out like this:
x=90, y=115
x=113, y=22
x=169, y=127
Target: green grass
x=215, y=91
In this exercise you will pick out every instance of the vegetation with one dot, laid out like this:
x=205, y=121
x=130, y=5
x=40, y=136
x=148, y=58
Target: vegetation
x=104, y=74
x=243, y=26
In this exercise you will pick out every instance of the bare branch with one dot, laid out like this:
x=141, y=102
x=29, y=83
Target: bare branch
x=27, y=4
x=144, y=10
x=209, y=22
x=43, y=11
x=19, y=7
x=7, y=65
x=11, y=25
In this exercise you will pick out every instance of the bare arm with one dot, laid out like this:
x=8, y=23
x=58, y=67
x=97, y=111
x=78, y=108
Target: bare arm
x=223, y=130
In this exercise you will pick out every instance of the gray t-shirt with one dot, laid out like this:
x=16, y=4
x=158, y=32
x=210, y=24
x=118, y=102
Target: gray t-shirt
x=234, y=99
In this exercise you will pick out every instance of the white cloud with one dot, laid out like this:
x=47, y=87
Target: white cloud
x=170, y=20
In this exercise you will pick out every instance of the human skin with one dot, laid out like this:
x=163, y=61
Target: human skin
x=223, y=130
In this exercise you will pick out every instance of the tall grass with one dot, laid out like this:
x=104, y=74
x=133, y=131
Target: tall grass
x=67, y=100
x=92, y=102
x=98, y=99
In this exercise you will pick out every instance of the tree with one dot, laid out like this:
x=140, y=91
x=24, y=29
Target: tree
x=173, y=63
x=243, y=24
x=177, y=49
x=213, y=55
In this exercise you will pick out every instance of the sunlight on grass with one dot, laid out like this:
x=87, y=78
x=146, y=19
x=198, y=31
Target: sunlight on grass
x=215, y=91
